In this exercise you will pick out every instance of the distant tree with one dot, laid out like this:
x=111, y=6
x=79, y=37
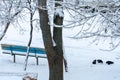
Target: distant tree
x=99, y=19
x=7, y=15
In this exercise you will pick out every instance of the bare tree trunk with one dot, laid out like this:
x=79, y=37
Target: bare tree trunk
x=57, y=37
x=5, y=30
x=31, y=32
x=54, y=53
x=29, y=43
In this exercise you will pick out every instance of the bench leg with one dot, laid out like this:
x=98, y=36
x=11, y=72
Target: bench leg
x=14, y=58
x=37, y=62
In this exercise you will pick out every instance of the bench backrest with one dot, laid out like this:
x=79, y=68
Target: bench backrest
x=22, y=48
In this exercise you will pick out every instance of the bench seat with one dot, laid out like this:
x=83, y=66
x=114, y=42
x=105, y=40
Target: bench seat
x=22, y=51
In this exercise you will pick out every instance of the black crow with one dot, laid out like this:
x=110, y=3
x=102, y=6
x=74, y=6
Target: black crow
x=99, y=61
x=94, y=61
x=109, y=62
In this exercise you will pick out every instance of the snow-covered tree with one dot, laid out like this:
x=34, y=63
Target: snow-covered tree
x=53, y=44
x=8, y=12
x=97, y=19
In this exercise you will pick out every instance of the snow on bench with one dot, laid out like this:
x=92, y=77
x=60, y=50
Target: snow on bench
x=22, y=51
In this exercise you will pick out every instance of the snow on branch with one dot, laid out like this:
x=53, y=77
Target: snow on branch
x=101, y=21
x=59, y=11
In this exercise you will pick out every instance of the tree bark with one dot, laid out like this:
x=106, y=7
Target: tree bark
x=31, y=35
x=54, y=53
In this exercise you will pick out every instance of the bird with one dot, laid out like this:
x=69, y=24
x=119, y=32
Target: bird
x=109, y=62
x=99, y=61
x=94, y=61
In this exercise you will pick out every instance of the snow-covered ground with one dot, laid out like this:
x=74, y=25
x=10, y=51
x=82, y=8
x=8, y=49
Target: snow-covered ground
x=79, y=55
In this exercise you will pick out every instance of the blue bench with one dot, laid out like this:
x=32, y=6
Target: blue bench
x=22, y=50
